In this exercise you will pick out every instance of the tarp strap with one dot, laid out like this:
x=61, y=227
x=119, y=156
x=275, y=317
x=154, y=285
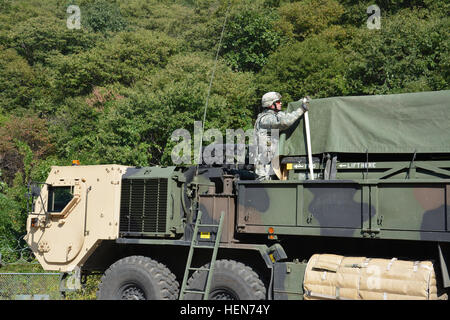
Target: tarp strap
x=416, y=266
x=365, y=263
x=390, y=264
x=326, y=296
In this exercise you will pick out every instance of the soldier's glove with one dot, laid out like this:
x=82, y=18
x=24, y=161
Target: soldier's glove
x=305, y=103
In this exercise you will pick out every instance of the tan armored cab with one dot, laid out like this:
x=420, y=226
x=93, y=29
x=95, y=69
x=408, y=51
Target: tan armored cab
x=74, y=202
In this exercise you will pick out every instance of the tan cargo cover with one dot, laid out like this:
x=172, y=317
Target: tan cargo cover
x=331, y=276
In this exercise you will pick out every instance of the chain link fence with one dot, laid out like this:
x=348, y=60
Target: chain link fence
x=29, y=286
x=21, y=277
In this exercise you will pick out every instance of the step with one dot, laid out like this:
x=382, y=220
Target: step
x=200, y=269
x=204, y=247
x=193, y=291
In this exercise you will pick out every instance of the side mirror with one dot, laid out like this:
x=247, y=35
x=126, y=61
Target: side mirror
x=35, y=190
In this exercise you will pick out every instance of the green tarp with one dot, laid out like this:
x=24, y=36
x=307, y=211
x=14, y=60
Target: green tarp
x=396, y=123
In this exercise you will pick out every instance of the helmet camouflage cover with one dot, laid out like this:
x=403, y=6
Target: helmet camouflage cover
x=269, y=98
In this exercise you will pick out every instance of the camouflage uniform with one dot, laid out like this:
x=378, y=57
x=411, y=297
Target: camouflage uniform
x=267, y=127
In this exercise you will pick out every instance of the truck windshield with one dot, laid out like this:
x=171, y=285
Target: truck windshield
x=59, y=197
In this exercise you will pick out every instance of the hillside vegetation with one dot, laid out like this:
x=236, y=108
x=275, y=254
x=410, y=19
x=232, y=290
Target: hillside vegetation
x=114, y=90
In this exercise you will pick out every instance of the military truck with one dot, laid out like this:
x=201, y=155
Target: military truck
x=372, y=222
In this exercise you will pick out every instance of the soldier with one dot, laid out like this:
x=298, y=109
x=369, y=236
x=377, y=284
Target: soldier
x=267, y=126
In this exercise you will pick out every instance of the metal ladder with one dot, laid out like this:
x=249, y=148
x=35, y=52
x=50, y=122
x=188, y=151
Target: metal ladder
x=195, y=245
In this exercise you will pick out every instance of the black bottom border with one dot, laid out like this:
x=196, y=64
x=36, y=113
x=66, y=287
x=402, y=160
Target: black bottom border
x=178, y=310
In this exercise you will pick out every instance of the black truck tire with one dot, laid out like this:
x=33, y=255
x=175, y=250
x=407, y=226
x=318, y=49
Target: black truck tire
x=231, y=280
x=138, y=278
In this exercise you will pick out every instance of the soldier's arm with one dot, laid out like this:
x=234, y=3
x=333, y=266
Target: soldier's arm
x=281, y=120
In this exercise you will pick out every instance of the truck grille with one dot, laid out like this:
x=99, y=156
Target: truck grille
x=143, y=206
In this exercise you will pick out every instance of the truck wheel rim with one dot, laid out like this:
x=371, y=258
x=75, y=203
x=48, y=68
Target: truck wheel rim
x=223, y=294
x=132, y=292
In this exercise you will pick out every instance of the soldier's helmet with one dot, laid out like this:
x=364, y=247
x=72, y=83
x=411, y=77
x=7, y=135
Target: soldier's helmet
x=269, y=98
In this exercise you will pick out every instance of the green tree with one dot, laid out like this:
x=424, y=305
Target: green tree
x=249, y=39
x=24, y=141
x=409, y=53
x=13, y=206
x=312, y=67
x=300, y=19
x=133, y=125
x=125, y=58
x=181, y=93
x=42, y=37
x=10, y=229
x=17, y=80
x=103, y=16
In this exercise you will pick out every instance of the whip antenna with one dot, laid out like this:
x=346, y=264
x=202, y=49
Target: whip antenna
x=210, y=84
